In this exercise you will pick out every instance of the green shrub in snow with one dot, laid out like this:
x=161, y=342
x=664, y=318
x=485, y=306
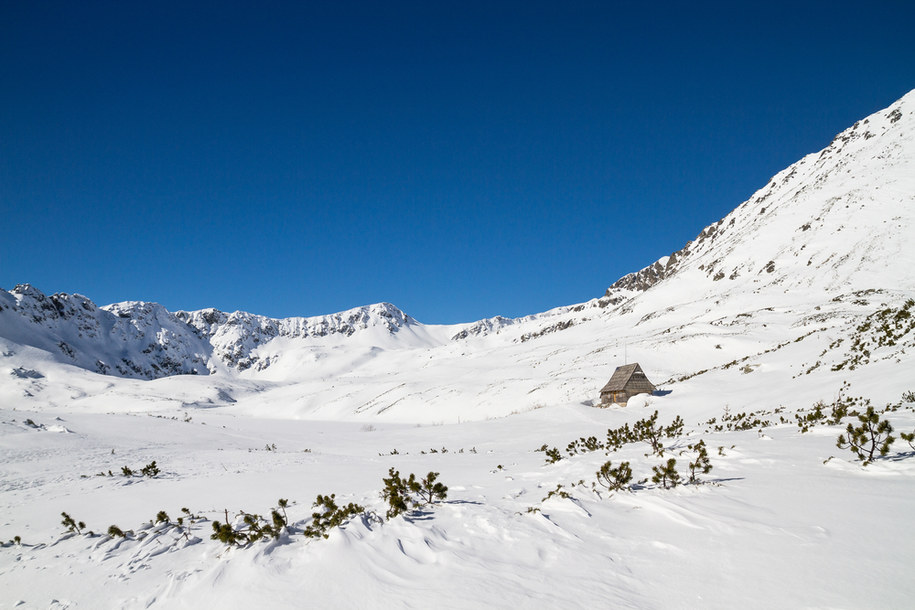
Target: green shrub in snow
x=909, y=437
x=254, y=527
x=404, y=494
x=584, y=445
x=870, y=437
x=701, y=464
x=226, y=534
x=71, y=525
x=666, y=475
x=552, y=455
x=329, y=515
x=150, y=470
x=615, y=479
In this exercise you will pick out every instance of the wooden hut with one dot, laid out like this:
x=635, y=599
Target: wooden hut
x=626, y=382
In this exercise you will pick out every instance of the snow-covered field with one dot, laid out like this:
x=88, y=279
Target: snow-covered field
x=805, y=287
x=773, y=527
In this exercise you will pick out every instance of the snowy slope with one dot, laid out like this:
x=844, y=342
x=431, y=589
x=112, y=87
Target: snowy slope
x=803, y=288
x=144, y=341
x=134, y=339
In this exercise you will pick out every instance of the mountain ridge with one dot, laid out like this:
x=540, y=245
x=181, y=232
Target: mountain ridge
x=143, y=340
x=810, y=172
x=833, y=223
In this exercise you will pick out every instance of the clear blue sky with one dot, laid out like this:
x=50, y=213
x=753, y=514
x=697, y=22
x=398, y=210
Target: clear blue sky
x=458, y=159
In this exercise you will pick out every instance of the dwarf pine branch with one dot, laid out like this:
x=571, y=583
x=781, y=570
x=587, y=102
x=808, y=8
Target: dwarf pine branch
x=870, y=437
x=909, y=437
x=405, y=494
x=666, y=475
x=701, y=465
x=150, y=470
x=71, y=525
x=329, y=515
x=615, y=479
x=430, y=490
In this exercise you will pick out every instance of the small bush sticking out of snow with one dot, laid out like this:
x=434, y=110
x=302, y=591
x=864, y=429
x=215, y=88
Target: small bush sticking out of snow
x=701, y=465
x=329, y=516
x=871, y=436
x=909, y=437
x=405, y=494
x=150, y=470
x=615, y=479
x=255, y=528
x=666, y=475
x=552, y=455
x=71, y=525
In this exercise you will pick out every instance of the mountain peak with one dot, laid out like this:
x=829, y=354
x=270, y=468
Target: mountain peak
x=833, y=219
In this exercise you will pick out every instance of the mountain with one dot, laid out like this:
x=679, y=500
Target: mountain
x=821, y=249
x=799, y=303
x=140, y=340
x=145, y=341
x=833, y=219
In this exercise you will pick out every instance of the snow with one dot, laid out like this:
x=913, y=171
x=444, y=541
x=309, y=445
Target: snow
x=758, y=314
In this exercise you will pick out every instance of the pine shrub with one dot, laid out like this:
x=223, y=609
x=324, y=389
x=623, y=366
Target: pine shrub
x=150, y=470
x=615, y=479
x=870, y=437
x=617, y=437
x=584, y=445
x=701, y=464
x=330, y=515
x=226, y=534
x=71, y=525
x=558, y=492
x=675, y=429
x=256, y=528
x=810, y=418
x=430, y=490
x=909, y=437
x=405, y=494
x=279, y=522
x=666, y=475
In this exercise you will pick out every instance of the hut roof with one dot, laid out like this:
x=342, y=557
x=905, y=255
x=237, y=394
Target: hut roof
x=629, y=377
